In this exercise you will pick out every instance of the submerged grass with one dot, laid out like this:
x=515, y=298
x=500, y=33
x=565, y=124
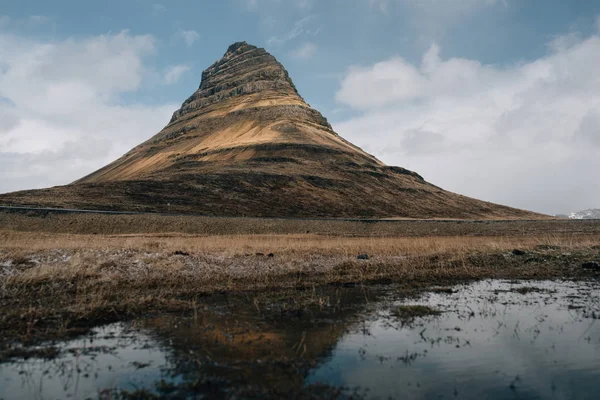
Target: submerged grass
x=61, y=284
x=407, y=313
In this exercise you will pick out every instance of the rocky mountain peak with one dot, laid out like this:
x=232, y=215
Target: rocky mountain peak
x=237, y=46
x=243, y=71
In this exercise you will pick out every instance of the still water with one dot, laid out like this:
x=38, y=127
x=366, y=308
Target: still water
x=492, y=339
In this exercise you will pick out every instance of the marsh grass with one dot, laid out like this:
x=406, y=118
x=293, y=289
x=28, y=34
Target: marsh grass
x=58, y=284
x=407, y=313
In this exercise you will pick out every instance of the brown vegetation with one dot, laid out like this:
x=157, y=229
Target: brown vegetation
x=54, y=283
x=42, y=221
x=408, y=313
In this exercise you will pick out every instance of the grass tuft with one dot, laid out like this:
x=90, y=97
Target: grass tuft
x=407, y=313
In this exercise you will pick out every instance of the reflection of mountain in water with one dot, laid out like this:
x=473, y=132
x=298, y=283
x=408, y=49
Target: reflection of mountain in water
x=234, y=347
x=493, y=340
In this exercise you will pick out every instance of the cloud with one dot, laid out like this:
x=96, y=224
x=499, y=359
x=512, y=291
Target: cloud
x=299, y=28
x=158, y=9
x=380, y=5
x=39, y=19
x=188, y=36
x=61, y=113
x=453, y=4
x=254, y=5
x=433, y=19
x=525, y=135
x=304, y=51
x=448, y=8
x=174, y=72
x=588, y=131
x=31, y=21
x=8, y=118
x=304, y=4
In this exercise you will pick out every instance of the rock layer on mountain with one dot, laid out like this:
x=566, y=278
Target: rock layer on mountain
x=247, y=144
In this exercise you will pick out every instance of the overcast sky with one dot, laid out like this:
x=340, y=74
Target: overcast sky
x=494, y=99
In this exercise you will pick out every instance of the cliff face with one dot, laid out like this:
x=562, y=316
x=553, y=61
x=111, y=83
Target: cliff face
x=246, y=143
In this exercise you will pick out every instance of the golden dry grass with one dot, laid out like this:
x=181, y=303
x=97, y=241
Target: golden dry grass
x=293, y=244
x=53, y=283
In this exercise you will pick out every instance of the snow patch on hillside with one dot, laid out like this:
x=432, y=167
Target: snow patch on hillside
x=586, y=214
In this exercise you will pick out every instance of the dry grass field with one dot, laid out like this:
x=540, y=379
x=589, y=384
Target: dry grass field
x=41, y=221
x=59, y=283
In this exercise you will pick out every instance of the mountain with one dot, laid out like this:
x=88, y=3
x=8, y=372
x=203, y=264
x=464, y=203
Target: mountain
x=593, y=213
x=247, y=144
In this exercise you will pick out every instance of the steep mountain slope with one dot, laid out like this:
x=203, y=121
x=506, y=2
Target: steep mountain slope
x=246, y=143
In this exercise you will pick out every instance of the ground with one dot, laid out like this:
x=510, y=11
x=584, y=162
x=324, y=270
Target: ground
x=61, y=274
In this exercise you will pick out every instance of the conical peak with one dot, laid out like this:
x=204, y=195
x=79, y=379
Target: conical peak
x=239, y=59
x=238, y=46
x=246, y=144
x=243, y=60
x=244, y=70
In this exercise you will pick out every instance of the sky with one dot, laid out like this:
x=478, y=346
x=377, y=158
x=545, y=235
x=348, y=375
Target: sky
x=494, y=99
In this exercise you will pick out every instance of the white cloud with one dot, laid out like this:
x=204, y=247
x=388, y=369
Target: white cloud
x=299, y=28
x=454, y=4
x=174, y=72
x=8, y=118
x=438, y=7
x=188, y=36
x=304, y=4
x=390, y=80
x=32, y=21
x=433, y=19
x=254, y=5
x=39, y=19
x=563, y=42
x=158, y=9
x=380, y=5
x=526, y=135
x=60, y=106
x=304, y=51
